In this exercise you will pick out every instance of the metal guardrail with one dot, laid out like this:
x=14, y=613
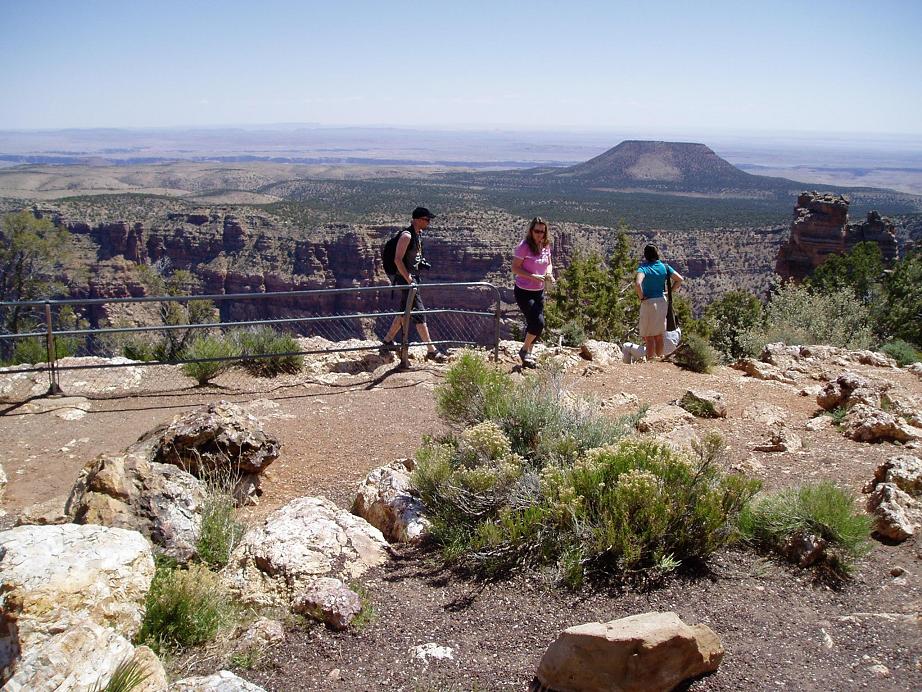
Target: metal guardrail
x=50, y=335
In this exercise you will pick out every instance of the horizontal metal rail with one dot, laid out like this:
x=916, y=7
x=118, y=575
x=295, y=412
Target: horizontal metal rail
x=52, y=367
x=243, y=296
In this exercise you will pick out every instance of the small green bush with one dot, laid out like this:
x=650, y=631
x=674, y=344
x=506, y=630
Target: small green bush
x=821, y=509
x=631, y=506
x=139, y=349
x=902, y=352
x=473, y=391
x=184, y=608
x=220, y=532
x=727, y=320
x=573, y=333
x=33, y=351
x=696, y=354
x=209, y=346
x=265, y=340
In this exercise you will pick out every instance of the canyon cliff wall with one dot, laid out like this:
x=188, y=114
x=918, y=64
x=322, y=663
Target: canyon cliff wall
x=820, y=228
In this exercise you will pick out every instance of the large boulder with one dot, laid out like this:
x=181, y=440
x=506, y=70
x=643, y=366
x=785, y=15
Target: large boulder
x=895, y=513
x=865, y=423
x=386, y=501
x=221, y=442
x=54, y=577
x=640, y=653
x=330, y=601
x=308, y=538
x=129, y=491
x=601, y=352
x=903, y=470
x=222, y=681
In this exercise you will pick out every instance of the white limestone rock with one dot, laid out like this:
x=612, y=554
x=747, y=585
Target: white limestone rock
x=222, y=681
x=310, y=537
x=75, y=659
x=662, y=418
x=52, y=577
x=386, y=501
x=895, y=513
x=330, y=601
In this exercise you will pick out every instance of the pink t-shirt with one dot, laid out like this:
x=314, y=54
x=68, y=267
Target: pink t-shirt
x=533, y=264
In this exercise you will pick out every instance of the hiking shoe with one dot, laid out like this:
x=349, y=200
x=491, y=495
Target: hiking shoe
x=528, y=360
x=386, y=347
x=437, y=356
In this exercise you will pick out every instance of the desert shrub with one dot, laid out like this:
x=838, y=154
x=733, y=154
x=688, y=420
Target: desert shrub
x=184, y=607
x=902, y=352
x=798, y=315
x=208, y=346
x=550, y=481
x=34, y=350
x=821, y=509
x=695, y=354
x=728, y=319
x=220, y=531
x=139, y=350
x=474, y=391
x=265, y=340
x=573, y=333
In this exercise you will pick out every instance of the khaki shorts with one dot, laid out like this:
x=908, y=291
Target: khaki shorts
x=653, y=316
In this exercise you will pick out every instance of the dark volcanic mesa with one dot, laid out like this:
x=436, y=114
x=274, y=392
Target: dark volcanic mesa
x=669, y=166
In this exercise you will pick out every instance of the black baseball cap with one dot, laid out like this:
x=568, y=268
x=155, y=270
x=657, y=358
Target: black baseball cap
x=422, y=213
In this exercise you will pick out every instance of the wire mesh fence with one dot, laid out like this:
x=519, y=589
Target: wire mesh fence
x=112, y=346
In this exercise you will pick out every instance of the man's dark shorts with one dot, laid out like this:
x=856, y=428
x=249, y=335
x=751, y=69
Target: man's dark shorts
x=397, y=280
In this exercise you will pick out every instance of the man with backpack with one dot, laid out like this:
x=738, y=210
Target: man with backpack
x=402, y=259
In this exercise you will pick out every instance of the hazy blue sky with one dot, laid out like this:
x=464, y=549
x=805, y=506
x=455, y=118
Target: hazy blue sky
x=840, y=66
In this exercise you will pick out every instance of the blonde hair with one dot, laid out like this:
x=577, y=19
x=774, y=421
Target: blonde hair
x=533, y=245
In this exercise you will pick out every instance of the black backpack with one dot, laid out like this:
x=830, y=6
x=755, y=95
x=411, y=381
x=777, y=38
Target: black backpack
x=389, y=252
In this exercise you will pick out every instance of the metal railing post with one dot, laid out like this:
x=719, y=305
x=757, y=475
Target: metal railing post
x=53, y=386
x=405, y=338
x=497, y=317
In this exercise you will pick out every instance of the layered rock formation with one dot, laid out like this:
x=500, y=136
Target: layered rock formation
x=820, y=228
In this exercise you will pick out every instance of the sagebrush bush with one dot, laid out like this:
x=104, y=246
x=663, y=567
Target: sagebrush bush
x=275, y=346
x=696, y=354
x=209, y=346
x=474, y=391
x=902, y=352
x=550, y=480
x=797, y=315
x=820, y=509
x=184, y=607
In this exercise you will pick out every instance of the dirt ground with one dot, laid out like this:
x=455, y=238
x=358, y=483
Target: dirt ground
x=781, y=627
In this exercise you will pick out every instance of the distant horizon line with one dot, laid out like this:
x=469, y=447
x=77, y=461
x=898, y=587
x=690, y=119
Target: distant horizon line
x=632, y=130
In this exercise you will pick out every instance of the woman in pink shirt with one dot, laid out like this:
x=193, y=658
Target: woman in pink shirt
x=531, y=266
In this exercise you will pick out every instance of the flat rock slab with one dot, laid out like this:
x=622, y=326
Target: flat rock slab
x=641, y=653
x=664, y=417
